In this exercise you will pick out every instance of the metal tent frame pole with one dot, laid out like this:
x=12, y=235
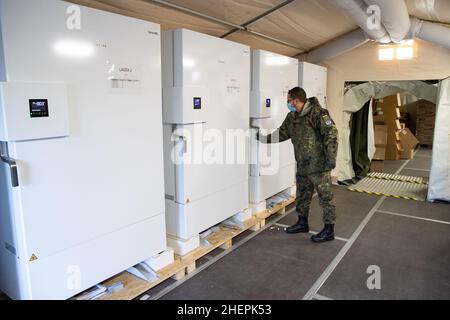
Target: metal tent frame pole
x=236, y=27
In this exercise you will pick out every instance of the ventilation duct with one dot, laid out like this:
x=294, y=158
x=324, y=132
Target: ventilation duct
x=336, y=47
x=357, y=10
x=394, y=21
x=432, y=32
x=394, y=17
x=431, y=10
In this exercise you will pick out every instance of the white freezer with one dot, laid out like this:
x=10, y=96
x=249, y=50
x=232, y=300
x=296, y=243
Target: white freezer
x=313, y=78
x=206, y=84
x=80, y=113
x=272, y=169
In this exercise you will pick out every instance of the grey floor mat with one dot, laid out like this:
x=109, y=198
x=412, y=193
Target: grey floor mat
x=272, y=265
x=391, y=166
x=419, y=163
x=424, y=152
x=437, y=211
x=351, y=208
x=416, y=173
x=413, y=255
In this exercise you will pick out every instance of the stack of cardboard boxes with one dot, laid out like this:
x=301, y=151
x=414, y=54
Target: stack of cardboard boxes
x=393, y=140
x=426, y=117
x=380, y=130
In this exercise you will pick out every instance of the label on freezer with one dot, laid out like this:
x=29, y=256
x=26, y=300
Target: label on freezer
x=233, y=85
x=125, y=78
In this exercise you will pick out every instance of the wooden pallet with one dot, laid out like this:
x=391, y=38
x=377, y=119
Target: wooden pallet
x=278, y=209
x=182, y=266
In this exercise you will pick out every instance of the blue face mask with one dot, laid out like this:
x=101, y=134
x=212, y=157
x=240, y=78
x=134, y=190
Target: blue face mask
x=291, y=107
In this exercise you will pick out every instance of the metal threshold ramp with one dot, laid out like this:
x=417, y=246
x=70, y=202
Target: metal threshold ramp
x=395, y=177
x=392, y=187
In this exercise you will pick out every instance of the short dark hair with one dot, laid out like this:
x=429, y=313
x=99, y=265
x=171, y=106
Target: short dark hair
x=298, y=93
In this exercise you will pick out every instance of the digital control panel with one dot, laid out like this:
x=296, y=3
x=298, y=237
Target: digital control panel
x=38, y=108
x=197, y=103
x=268, y=103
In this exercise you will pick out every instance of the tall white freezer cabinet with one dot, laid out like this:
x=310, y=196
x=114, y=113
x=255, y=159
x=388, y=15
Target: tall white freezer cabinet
x=313, y=78
x=81, y=176
x=206, y=91
x=273, y=166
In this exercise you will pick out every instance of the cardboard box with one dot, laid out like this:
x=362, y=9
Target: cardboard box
x=378, y=119
x=380, y=153
x=389, y=106
x=407, y=154
x=377, y=166
x=409, y=143
x=392, y=152
x=381, y=135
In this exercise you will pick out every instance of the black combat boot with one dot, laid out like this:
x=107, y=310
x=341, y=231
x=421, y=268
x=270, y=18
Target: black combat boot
x=300, y=227
x=327, y=234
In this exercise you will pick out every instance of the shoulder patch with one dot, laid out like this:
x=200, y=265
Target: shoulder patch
x=326, y=118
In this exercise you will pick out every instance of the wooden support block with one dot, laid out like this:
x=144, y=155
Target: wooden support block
x=179, y=275
x=262, y=223
x=227, y=245
x=191, y=268
x=282, y=211
x=257, y=226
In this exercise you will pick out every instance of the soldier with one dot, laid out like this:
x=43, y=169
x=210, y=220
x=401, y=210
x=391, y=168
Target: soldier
x=315, y=139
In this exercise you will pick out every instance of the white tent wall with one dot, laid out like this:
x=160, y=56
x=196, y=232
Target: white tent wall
x=371, y=148
x=439, y=187
x=362, y=64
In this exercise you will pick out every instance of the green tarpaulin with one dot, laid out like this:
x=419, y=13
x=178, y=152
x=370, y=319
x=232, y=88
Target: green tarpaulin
x=358, y=141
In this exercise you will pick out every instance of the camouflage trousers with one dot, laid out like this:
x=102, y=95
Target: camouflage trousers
x=305, y=190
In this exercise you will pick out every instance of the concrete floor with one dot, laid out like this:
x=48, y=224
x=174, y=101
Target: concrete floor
x=407, y=240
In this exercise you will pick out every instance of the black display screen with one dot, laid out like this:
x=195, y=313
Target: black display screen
x=197, y=103
x=38, y=108
x=268, y=103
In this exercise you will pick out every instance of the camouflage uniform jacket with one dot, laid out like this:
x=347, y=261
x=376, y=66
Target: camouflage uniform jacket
x=314, y=136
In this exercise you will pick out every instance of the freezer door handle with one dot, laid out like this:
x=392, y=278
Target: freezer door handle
x=10, y=162
x=12, y=169
x=184, y=144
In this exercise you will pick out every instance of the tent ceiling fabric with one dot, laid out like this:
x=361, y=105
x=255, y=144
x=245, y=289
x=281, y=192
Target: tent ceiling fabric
x=305, y=23
x=235, y=11
x=145, y=10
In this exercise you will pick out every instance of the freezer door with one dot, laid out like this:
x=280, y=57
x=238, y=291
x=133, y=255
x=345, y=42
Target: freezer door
x=90, y=204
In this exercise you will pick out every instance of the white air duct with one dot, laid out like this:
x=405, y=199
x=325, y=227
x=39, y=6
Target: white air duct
x=432, y=32
x=431, y=10
x=394, y=17
x=357, y=10
x=336, y=47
